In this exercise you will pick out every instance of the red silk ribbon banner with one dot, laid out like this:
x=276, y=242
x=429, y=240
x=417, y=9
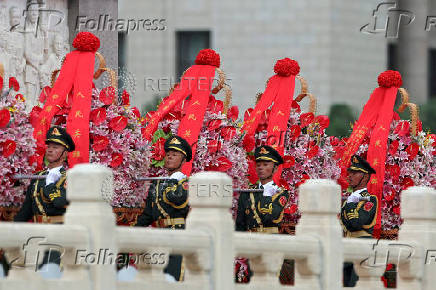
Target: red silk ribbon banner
x=377, y=115
x=197, y=83
x=75, y=75
x=279, y=93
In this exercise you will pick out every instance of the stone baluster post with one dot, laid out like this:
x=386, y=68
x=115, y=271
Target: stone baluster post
x=210, y=196
x=319, y=205
x=89, y=189
x=418, y=206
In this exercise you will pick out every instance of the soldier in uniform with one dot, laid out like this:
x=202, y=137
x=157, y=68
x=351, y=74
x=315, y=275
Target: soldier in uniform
x=359, y=211
x=166, y=205
x=262, y=212
x=46, y=199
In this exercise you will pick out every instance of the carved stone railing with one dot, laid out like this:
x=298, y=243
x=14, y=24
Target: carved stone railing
x=90, y=242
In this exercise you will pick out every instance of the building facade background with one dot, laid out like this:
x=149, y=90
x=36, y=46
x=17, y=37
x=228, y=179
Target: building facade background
x=340, y=63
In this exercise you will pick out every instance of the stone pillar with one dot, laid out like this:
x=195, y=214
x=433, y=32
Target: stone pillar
x=319, y=205
x=418, y=206
x=210, y=196
x=412, y=57
x=100, y=18
x=89, y=186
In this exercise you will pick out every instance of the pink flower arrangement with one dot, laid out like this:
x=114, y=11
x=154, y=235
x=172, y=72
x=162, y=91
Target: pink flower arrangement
x=309, y=153
x=126, y=152
x=219, y=146
x=116, y=141
x=17, y=148
x=410, y=160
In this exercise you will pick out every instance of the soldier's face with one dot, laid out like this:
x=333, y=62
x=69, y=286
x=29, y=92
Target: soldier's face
x=265, y=169
x=355, y=177
x=55, y=152
x=173, y=160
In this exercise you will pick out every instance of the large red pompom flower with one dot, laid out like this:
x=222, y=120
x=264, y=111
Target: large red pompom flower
x=390, y=78
x=286, y=67
x=208, y=57
x=86, y=41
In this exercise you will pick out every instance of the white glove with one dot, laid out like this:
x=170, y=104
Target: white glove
x=53, y=176
x=269, y=190
x=178, y=175
x=353, y=198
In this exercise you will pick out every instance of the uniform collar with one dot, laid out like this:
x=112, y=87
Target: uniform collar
x=271, y=183
x=269, y=189
x=58, y=169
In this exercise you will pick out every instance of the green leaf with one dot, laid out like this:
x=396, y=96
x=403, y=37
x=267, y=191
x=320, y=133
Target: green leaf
x=157, y=135
x=160, y=163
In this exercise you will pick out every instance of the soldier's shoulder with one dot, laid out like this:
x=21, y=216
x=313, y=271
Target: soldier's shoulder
x=282, y=190
x=183, y=180
x=365, y=193
x=184, y=183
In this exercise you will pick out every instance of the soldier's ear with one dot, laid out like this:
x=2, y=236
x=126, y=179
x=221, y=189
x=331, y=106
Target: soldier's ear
x=65, y=155
x=367, y=177
x=275, y=168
